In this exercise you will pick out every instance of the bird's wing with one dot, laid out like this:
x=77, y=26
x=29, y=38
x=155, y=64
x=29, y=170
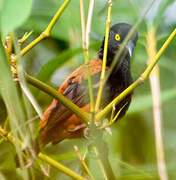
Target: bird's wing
x=75, y=88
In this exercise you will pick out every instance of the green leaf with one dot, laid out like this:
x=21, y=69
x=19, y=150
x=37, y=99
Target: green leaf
x=14, y=13
x=49, y=68
x=12, y=101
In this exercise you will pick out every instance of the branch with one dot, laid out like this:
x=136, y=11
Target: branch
x=59, y=166
x=102, y=78
x=157, y=111
x=51, y=91
x=85, y=42
x=117, y=56
x=83, y=162
x=8, y=137
x=139, y=81
x=45, y=33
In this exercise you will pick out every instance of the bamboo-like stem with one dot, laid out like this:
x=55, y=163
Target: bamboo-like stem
x=85, y=42
x=86, y=35
x=59, y=166
x=158, y=55
x=8, y=137
x=117, y=56
x=6, y=123
x=8, y=46
x=83, y=163
x=45, y=33
x=100, y=163
x=103, y=72
x=51, y=91
x=89, y=22
x=83, y=26
x=157, y=112
x=139, y=81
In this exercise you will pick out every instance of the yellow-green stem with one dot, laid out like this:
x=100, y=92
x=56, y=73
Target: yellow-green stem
x=55, y=18
x=7, y=136
x=108, y=108
x=6, y=123
x=25, y=37
x=158, y=55
x=51, y=91
x=9, y=43
x=44, y=34
x=99, y=95
x=59, y=166
x=100, y=163
x=151, y=48
x=85, y=43
x=116, y=58
x=140, y=80
x=84, y=163
x=92, y=104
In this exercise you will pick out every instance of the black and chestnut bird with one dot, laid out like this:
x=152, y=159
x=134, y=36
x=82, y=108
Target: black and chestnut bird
x=60, y=123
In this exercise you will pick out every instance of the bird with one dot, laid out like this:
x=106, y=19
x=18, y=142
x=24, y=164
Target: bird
x=58, y=122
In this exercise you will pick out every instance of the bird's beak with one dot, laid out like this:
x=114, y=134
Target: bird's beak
x=130, y=48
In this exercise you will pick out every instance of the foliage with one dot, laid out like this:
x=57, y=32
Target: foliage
x=131, y=146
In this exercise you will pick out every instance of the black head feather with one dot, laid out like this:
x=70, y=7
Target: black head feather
x=117, y=34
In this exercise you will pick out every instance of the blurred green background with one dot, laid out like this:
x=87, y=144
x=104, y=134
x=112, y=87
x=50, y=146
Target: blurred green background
x=132, y=145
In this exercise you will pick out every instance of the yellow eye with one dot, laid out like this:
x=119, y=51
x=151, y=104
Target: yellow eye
x=117, y=37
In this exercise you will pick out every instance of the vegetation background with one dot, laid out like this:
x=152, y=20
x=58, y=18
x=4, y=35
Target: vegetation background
x=132, y=145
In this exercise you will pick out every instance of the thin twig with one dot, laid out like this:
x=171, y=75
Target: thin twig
x=59, y=166
x=46, y=32
x=100, y=163
x=89, y=22
x=83, y=26
x=83, y=163
x=7, y=136
x=86, y=52
x=102, y=78
x=116, y=58
x=25, y=37
x=139, y=81
x=113, y=118
x=8, y=46
x=6, y=123
x=85, y=39
x=157, y=112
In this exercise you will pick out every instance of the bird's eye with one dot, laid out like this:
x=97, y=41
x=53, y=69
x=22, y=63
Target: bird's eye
x=117, y=37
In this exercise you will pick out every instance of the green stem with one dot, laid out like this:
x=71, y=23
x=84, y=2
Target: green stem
x=99, y=95
x=45, y=33
x=116, y=61
x=92, y=103
x=158, y=55
x=101, y=151
x=7, y=136
x=51, y=91
x=60, y=167
x=86, y=53
x=140, y=80
x=85, y=44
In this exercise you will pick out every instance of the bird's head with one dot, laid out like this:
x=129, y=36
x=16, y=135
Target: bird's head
x=117, y=34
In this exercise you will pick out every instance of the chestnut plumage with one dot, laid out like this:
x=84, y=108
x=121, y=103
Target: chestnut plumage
x=60, y=123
